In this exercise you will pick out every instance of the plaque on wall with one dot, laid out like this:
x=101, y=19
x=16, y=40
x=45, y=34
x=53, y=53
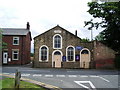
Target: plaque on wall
x=57, y=31
x=77, y=57
x=63, y=58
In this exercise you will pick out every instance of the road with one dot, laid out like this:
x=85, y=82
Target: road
x=70, y=78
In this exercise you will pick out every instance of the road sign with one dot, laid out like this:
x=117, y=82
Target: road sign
x=81, y=83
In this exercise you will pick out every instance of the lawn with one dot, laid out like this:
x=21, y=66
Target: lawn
x=9, y=83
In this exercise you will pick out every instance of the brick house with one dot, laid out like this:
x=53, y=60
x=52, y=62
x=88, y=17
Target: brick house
x=18, y=40
x=59, y=48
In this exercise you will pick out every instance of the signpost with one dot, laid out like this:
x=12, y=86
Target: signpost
x=17, y=79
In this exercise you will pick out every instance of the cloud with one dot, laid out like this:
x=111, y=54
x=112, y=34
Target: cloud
x=45, y=14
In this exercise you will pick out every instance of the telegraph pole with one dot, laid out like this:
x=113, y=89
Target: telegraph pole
x=91, y=35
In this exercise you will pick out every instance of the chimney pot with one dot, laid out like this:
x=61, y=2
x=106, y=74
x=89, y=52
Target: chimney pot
x=76, y=33
x=28, y=26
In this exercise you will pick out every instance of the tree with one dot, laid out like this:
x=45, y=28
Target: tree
x=99, y=37
x=85, y=40
x=2, y=44
x=109, y=13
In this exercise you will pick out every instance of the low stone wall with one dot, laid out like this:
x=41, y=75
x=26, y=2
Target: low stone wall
x=43, y=65
x=70, y=64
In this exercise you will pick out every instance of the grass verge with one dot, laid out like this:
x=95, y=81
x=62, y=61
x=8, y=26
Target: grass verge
x=9, y=83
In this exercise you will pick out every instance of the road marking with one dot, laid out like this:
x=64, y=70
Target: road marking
x=104, y=79
x=39, y=75
x=25, y=74
x=93, y=76
x=83, y=76
x=72, y=75
x=60, y=75
x=81, y=83
x=48, y=75
x=12, y=74
x=6, y=73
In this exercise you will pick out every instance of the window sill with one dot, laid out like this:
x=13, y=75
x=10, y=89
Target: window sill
x=15, y=59
x=16, y=44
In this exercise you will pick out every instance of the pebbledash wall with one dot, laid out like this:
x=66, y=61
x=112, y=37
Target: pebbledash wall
x=58, y=48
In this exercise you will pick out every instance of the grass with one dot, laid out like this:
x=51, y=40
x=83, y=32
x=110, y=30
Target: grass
x=9, y=83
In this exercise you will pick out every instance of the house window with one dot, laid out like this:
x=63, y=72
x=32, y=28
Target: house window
x=44, y=53
x=15, y=54
x=15, y=40
x=70, y=53
x=57, y=41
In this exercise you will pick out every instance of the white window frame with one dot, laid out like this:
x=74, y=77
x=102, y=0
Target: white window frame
x=73, y=53
x=54, y=42
x=14, y=53
x=16, y=38
x=47, y=53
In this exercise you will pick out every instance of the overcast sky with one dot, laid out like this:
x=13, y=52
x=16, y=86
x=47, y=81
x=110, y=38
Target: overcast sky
x=45, y=14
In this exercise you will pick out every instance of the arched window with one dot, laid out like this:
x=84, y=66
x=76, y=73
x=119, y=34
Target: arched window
x=70, y=53
x=85, y=52
x=57, y=41
x=43, y=53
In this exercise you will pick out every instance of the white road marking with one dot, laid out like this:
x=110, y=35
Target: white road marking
x=39, y=75
x=48, y=75
x=13, y=74
x=6, y=73
x=93, y=76
x=25, y=74
x=60, y=75
x=72, y=75
x=83, y=76
x=104, y=79
x=81, y=83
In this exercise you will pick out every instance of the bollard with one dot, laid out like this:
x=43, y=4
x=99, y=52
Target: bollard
x=17, y=79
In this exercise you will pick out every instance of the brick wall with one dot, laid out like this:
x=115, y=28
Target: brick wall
x=103, y=55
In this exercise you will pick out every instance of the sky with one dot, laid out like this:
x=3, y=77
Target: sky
x=46, y=14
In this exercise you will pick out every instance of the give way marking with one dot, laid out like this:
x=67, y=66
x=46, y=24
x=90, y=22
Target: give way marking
x=81, y=83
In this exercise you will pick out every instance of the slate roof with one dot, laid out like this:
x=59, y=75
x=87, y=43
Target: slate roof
x=15, y=31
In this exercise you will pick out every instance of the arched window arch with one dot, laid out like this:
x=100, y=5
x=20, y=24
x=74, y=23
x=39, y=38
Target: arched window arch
x=70, y=53
x=43, y=53
x=57, y=41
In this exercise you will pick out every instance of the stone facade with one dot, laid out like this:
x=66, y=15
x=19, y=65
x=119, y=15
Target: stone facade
x=84, y=55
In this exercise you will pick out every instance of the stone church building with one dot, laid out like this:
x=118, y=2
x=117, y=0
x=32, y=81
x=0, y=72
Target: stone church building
x=59, y=48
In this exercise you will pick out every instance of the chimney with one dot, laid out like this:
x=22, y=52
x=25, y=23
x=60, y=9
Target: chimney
x=75, y=32
x=28, y=26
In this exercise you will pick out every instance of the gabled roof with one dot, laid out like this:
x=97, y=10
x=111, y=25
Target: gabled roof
x=59, y=27
x=15, y=31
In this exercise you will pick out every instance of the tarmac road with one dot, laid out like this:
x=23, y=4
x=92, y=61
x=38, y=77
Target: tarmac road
x=69, y=78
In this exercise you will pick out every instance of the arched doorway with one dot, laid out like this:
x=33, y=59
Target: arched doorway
x=84, y=58
x=56, y=59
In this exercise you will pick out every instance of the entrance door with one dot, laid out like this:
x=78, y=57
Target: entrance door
x=57, y=59
x=5, y=58
x=85, y=59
